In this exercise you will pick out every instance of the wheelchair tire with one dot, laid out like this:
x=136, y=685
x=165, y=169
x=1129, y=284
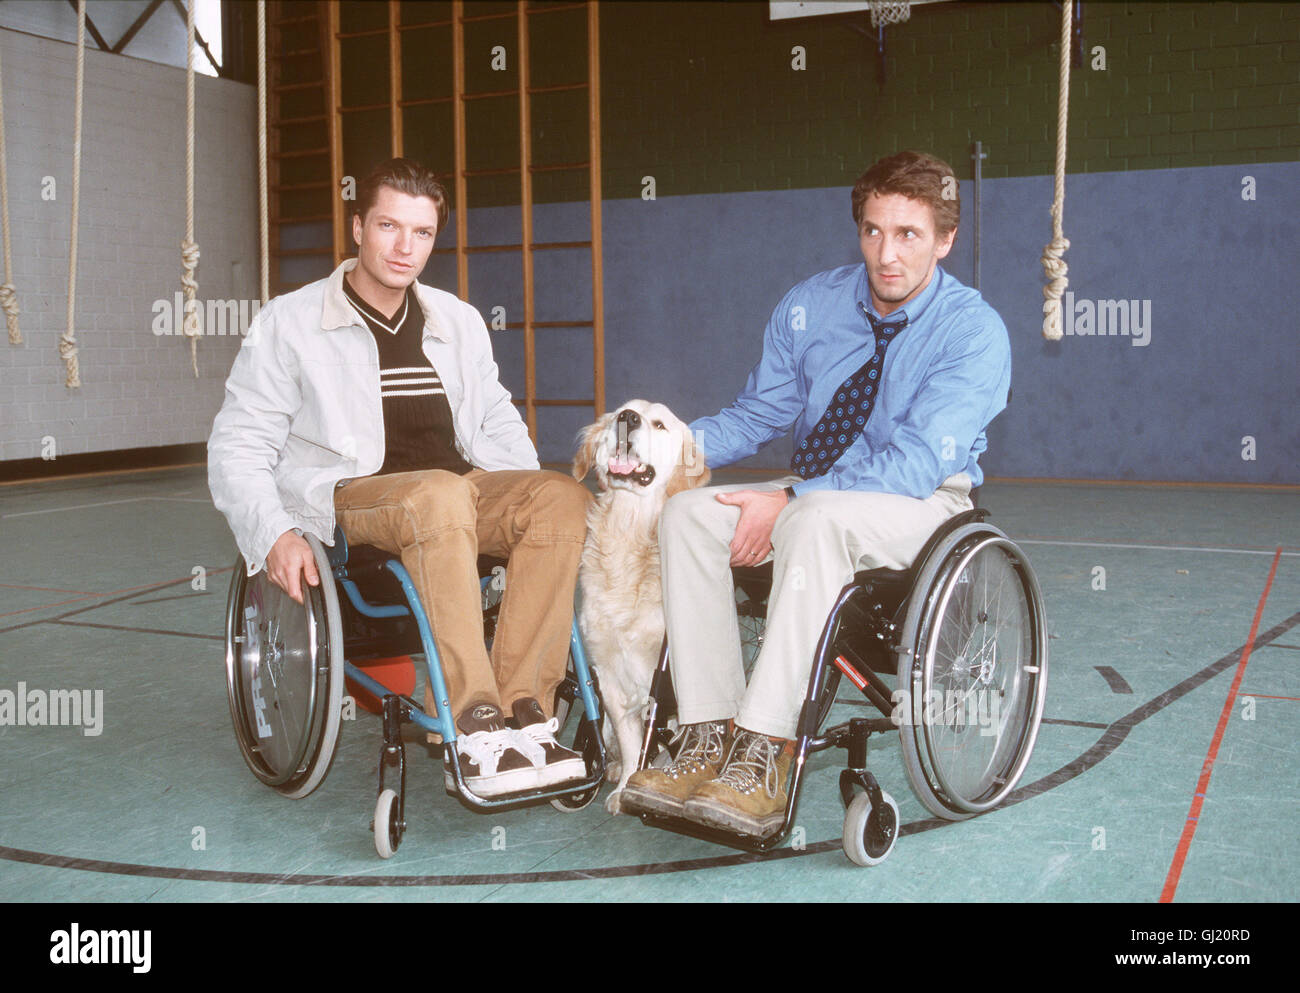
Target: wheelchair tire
x=973, y=659
x=388, y=833
x=287, y=729
x=870, y=840
x=574, y=802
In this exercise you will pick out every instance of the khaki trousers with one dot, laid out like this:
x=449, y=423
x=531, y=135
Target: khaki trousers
x=439, y=523
x=819, y=541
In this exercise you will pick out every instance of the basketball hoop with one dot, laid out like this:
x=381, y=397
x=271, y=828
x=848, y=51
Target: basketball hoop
x=889, y=12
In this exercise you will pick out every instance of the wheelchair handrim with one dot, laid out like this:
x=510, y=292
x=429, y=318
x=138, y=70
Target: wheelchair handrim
x=1006, y=779
x=314, y=752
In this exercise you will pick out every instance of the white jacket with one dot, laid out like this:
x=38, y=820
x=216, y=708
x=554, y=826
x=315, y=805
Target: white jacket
x=303, y=409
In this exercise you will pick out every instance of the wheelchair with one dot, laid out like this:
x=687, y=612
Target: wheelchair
x=286, y=665
x=964, y=633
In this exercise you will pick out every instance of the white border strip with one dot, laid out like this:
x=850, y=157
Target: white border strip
x=1169, y=548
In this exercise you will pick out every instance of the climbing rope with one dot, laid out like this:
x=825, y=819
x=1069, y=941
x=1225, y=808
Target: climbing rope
x=8, y=298
x=261, y=149
x=189, y=247
x=68, y=340
x=1053, y=264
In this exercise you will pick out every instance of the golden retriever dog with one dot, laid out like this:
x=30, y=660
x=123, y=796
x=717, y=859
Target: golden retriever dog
x=642, y=454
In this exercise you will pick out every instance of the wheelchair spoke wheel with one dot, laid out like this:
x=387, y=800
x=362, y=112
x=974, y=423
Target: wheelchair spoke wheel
x=284, y=676
x=573, y=802
x=751, y=616
x=977, y=677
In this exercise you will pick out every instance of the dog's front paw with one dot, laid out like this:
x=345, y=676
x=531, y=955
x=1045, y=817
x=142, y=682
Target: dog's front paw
x=613, y=771
x=613, y=802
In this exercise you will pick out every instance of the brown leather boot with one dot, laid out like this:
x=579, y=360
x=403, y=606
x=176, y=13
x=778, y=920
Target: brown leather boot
x=663, y=791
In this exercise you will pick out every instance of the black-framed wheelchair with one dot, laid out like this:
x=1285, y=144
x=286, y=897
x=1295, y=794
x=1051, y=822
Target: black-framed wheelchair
x=287, y=663
x=965, y=635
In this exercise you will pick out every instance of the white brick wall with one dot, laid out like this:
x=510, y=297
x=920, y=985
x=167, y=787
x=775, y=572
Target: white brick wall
x=137, y=388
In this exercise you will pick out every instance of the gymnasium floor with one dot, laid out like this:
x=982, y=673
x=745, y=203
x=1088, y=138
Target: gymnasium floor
x=96, y=593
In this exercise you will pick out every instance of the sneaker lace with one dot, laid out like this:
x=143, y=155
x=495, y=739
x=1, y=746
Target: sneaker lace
x=701, y=744
x=752, y=760
x=484, y=748
x=532, y=738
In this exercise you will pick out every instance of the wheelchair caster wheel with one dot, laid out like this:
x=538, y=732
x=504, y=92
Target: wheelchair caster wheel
x=868, y=840
x=388, y=831
x=574, y=802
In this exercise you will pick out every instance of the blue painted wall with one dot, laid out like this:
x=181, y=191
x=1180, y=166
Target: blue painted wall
x=690, y=282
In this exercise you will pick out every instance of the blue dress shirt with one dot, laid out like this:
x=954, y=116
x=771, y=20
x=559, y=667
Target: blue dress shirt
x=945, y=377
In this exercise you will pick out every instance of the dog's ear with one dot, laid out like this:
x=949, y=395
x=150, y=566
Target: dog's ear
x=691, y=470
x=588, y=440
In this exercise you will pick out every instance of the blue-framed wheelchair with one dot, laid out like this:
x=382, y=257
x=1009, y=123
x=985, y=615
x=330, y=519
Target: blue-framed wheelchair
x=286, y=664
x=964, y=634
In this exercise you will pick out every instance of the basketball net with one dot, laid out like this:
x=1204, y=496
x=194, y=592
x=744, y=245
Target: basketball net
x=889, y=12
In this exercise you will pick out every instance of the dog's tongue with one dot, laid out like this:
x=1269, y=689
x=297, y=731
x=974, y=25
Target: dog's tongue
x=621, y=465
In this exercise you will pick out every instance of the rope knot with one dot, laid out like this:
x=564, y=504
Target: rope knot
x=9, y=301
x=68, y=352
x=1056, y=269
x=193, y=325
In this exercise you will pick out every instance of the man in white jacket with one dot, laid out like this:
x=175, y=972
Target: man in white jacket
x=372, y=400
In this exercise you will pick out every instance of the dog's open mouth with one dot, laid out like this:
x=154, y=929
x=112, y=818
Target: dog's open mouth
x=628, y=468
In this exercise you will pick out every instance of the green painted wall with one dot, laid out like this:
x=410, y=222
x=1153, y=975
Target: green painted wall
x=704, y=96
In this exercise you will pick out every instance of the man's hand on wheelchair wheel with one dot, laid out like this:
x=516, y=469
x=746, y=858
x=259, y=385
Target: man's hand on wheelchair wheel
x=758, y=512
x=290, y=559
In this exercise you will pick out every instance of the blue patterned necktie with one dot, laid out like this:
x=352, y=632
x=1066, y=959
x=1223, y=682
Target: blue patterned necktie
x=846, y=415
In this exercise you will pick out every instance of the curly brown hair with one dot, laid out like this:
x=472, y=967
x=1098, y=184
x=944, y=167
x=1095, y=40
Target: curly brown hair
x=917, y=175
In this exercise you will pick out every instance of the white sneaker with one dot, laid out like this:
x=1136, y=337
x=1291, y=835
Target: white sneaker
x=536, y=736
x=493, y=759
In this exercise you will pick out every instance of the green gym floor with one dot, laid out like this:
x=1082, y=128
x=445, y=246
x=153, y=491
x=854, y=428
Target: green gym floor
x=1166, y=764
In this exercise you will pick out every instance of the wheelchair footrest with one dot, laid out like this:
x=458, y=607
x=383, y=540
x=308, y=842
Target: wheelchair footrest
x=744, y=842
x=593, y=753
x=509, y=801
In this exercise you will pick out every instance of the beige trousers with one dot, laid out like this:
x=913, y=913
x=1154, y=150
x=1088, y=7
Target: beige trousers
x=439, y=523
x=819, y=541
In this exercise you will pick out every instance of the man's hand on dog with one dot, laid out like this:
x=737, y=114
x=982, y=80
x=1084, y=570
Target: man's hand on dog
x=758, y=513
x=288, y=560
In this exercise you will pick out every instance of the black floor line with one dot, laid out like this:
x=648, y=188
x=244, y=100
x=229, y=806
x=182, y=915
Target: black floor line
x=1110, y=739
x=1114, y=680
x=1075, y=724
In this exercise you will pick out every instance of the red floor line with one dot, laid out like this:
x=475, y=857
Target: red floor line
x=91, y=596
x=46, y=606
x=1207, y=767
x=44, y=589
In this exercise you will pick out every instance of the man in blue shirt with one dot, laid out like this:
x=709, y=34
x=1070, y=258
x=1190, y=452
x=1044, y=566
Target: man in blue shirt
x=888, y=372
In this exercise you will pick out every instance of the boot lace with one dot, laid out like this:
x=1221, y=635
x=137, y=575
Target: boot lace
x=752, y=761
x=701, y=744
